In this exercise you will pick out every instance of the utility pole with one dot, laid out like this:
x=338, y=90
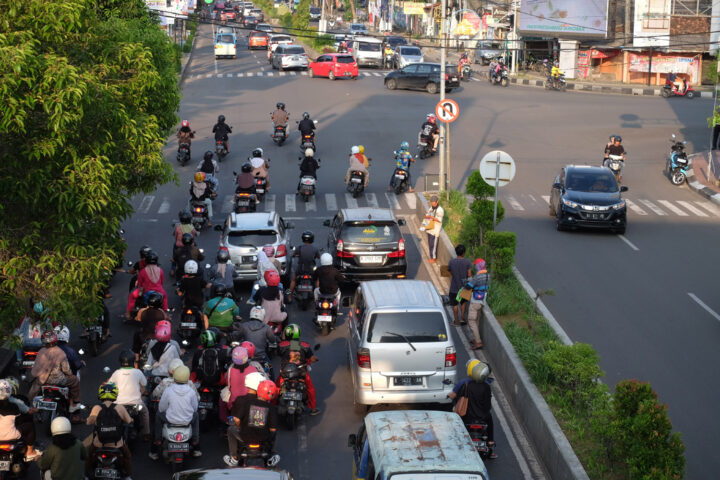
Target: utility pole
x=443, y=61
x=322, y=25
x=627, y=41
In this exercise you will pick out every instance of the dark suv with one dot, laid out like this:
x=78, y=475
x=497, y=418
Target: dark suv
x=423, y=76
x=367, y=243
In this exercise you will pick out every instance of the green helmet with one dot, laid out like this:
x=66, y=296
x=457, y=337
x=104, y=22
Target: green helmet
x=108, y=391
x=292, y=332
x=208, y=338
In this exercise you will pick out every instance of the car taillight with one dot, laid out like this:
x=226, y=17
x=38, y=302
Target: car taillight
x=400, y=252
x=341, y=253
x=450, y=357
x=281, y=251
x=363, y=358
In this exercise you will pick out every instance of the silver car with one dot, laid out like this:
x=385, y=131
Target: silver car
x=358, y=29
x=486, y=51
x=244, y=235
x=405, y=55
x=290, y=56
x=400, y=343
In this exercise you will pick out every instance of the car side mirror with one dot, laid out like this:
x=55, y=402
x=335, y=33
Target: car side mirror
x=557, y=185
x=445, y=300
x=218, y=228
x=624, y=188
x=326, y=223
x=346, y=302
x=352, y=440
x=401, y=221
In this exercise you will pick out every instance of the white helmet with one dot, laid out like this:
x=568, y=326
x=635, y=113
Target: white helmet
x=355, y=149
x=191, y=267
x=326, y=259
x=174, y=364
x=257, y=313
x=63, y=334
x=253, y=380
x=60, y=425
x=309, y=152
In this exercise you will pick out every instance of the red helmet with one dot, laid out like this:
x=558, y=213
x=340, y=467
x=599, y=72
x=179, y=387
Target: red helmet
x=250, y=347
x=431, y=119
x=186, y=123
x=272, y=278
x=49, y=338
x=267, y=391
x=163, y=330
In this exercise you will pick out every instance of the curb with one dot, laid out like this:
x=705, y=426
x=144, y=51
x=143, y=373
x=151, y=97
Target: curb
x=187, y=57
x=698, y=187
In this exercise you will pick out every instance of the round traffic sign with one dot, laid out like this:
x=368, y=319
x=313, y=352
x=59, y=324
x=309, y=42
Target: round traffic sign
x=497, y=168
x=447, y=110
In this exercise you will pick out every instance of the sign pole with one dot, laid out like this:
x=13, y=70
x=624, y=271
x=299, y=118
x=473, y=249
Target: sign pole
x=447, y=158
x=443, y=59
x=497, y=187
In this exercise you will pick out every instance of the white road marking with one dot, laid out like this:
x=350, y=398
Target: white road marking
x=634, y=207
x=146, y=204
x=240, y=74
x=220, y=75
x=293, y=73
x=656, y=210
x=514, y=203
x=411, y=200
x=546, y=198
x=331, y=202
x=377, y=74
x=632, y=245
x=164, y=206
x=372, y=200
x=269, y=74
x=672, y=208
x=532, y=198
x=269, y=202
x=282, y=74
x=208, y=75
x=365, y=74
x=705, y=307
x=258, y=60
x=392, y=201
x=709, y=207
x=303, y=72
x=694, y=210
x=475, y=79
x=311, y=205
x=351, y=202
x=289, y=202
x=227, y=205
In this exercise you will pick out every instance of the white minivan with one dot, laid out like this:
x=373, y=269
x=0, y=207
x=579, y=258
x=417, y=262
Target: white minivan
x=368, y=51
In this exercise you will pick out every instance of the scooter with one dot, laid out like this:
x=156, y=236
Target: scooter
x=501, y=78
x=176, y=445
x=208, y=407
x=560, y=84
x=304, y=290
x=615, y=164
x=183, y=154
x=244, y=202
x=356, y=186
x=307, y=141
x=424, y=147
x=96, y=335
x=260, y=187
x=293, y=395
x=400, y=180
x=12, y=459
x=51, y=403
x=200, y=217
x=307, y=187
x=466, y=73
x=478, y=434
x=107, y=464
x=326, y=310
x=220, y=150
x=677, y=163
x=671, y=90
x=257, y=455
x=279, y=134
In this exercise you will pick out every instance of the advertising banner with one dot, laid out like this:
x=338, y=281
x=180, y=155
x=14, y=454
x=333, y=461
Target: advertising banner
x=466, y=23
x=652, y=23
x=413, y=8
x=564, y=18
x=665, y=64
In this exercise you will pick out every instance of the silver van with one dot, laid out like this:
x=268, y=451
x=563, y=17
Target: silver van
x=367, y=51
x=400, y=347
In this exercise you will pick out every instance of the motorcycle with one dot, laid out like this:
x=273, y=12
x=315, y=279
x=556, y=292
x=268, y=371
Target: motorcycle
x=190, y=325
x=615, y=164
x=132, y=432
x=677, y=163
x=51, y=403
x=400, y=180
x=12, y=459
x=107, y=464
x=424, y=147
x=220, y=150
x=671, y=90
x=326, y=313
x=260, y=184
x=208, y=406
x=307, y=187
x=25, y=364
x=292, y=396
x=257, y=455
x=304, y=289
x=466, y=73
x=96, y=335
x=356, y=186
x=279, y=134
x=244, y=202
x=175, y=445
x=307, y=141
x=500, y=78
x=478, y=434
x=388, y=60
x=560, y=84
x=200, y=217
x=183, y=154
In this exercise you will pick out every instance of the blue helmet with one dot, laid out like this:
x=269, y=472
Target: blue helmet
x=405, y=146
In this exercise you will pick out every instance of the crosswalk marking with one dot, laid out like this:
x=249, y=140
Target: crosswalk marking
x=221, y=75
x=311, y=204
x=227, y=204
x=331, y=202
x=303, y=72
x=365, y=74
x=164, y=206
x=282, y=74
x=293, y=73
x=709, y=207
x=657, y=210
x=269, y=74
x=514, y=203
x=392, y=200
x=208, y=75
x=372, y=200
x=351, y=202
x=689, y=206
x=532, y=198
x=672, y=208
x=377, y=74
x=634, y=207
x=240, y=74
x=289, y=202
x=146, y=203
x=546, y=198
x=411, y=200
x=269, y=202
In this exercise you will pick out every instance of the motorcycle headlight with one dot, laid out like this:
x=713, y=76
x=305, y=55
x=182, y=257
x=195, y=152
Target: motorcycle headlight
x=569, y=203
x=618, y=206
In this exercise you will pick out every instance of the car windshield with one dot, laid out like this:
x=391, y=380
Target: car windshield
x=370, y=232
x=295, y=51
x=394, y=327
x=368, y=47
x=412, y=51
x=489, y=46
x=314, y=10
x=357, y=26
x=345, y=59
x=395, y=41
x=242, y=238
x=591, y=182
x=225, y=39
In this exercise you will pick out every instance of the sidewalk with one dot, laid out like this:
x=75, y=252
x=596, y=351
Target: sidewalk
x=697, y=178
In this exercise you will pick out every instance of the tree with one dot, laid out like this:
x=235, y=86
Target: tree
x=89, y=94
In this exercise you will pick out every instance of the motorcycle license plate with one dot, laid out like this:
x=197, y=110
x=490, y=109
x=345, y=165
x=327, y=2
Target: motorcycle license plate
x=178, y=447
x=243, y=203
x=44, y=405
x=188, y=325
x=5, y=466
x=407, y=381
x=260, y=190
x=324, y=318
x=28, y=363
x=304, y=288
x=356, y=180
x=400, y=176
x=106, y=473
x=96, y=328
x=206, y=405
x=297, y=396
x=370, y=259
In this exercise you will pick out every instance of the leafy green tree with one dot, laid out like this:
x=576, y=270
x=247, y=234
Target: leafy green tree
x=89, y=94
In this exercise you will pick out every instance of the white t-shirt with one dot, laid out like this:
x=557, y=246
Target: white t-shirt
x=128, y=381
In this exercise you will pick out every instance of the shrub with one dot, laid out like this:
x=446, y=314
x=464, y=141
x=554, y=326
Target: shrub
x=574, y=370
x=479, y=221
x=477, y=187
x=286, y=20
x=301, y=19
x=501, y=246
x=323, y=41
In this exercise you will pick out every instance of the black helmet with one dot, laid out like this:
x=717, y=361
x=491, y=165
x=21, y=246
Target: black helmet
x=306, y=115
x=185, y=217
x=246, y=168
x=223, y=256
x=219, y=289
x=144, y=251
x=221, y=118
x=127, y=358
x=151, y=258
x=291, y=372
x=208, y=155
x=280, y=105
x=618, y=138
x=187, y=239
x=257, y=153
x=155, y=299
x=308, y=236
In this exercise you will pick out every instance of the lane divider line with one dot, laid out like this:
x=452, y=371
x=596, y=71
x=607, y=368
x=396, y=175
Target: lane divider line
x=630, y=244
x=704, y=306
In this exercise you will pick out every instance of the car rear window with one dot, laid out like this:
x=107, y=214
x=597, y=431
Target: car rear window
x=254, y=238
x=314, y=10
x=370, y=232
x=410, y=51
x=294, y=50
x=391, y=327
x=258, y=34
x=591, y=182
x=225, y=39
x=368, y=47
x=345, y=59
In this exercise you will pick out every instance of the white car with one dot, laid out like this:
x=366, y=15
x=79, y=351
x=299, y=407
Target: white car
x=290, y=56
x=277, y=39
x=358, y=29
x=406, y=54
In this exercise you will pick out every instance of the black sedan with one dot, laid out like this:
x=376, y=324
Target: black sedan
x=586, y=196
x=423, y=76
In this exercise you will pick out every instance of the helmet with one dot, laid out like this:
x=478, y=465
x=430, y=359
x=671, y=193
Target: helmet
x=223, y=256
x=208, y=338
x=163, y=329
x=464, y=55
x=250, y=347
x=181, y=374
x=155, y=299
x=174, y=364
x=361, y=148
x=355, y=149
x=618, y=138
x=191, y=267
x=253, y=380
x=432, y=119
x=208, y=155
x=60, y=426
x=257, y=153
x=477, y=370
x=280, y=105
x=545, y=60
x=185, y=217
x=246, y=168
x=6, y=389
x=257, y=313
x=292, y=332
x=267, y=390
x=220, y=289
x=200, y=177
x=127, y=358
x=49, y=339
x=308, y=236
x=108, y=391
x=14, y=385
x=40, y=309
x=272, y=278
x=152, y=258
x=63, y=333
x=501, y=60
x=479, y=264
x=144, y=251
x=305, y=115
x=240, y=356
x=269, y=250
x=221, y=118
x=186, y=123
x=309, y=152
x=291, y=371
x=404, y=146
x=187, y=239
x=326, y=259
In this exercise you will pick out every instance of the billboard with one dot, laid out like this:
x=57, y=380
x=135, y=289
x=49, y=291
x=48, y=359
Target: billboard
x=563, y=18
x=652, y=23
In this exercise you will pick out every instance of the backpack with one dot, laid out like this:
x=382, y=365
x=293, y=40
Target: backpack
x=183, y=256
x=209, y=366
x=109, y=426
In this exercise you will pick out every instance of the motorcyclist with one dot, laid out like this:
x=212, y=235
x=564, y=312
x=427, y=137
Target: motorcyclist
x=149, y=318
x=185, y=134
x=180, y=229
x=109, y=419
x=547, y=66
x=327, y=278
x=220, y=311
x=209, y=361
x=491, y=67
x=388, y=55
x=63, y=336
x=181, y=255
x=357, y=164
x=343, y=47
x=309, y=166
x=264, y=368
x=160, y=388
x=260, y=166
x=499, y=67
x=271, y=298
x=131, y=384
x=403, y=161
x=193, y=285
x=615, y=149
x=201, y=191
x=221, y=130
x=209, y=166
x=254, y=420
x=152, y=277
x=293, y=350
x=245, y=182
x=14, y=424
x=307, y=253
x=280, y=117
x=52, y=368
x=223, y=272
x=162, y=350
x=430, y=131
x=464, y=60
x=555, y=73
x=236, y=375
x=178, y=405
x=306, y=127
x=259, y=333
x=137, y=266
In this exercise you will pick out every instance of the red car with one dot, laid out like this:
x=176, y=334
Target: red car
x=334, y=65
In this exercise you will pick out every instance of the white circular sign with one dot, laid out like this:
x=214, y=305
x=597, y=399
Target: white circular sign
x=491, y=173
x=447, y=110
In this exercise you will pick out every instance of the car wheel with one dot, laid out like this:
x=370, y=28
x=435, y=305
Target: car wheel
x=331, y=75
x=448, y=90
x=311, y=74
x=391, y=84
x=431, y=88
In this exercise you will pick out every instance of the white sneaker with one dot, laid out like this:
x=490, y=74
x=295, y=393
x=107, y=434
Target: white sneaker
x=153, y=455
x=230, y=461
x=76, y=407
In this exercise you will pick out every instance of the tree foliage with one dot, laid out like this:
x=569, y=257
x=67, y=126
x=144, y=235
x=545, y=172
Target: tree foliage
x=89, y=93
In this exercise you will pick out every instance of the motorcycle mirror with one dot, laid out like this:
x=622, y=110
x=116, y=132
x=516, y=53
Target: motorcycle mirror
x=316, y=347
x=218, y=228
x=106, y=370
